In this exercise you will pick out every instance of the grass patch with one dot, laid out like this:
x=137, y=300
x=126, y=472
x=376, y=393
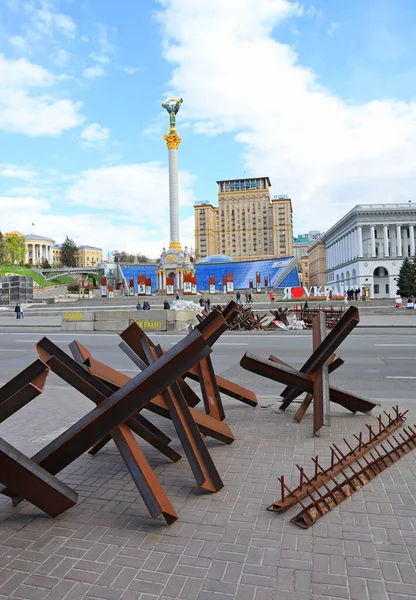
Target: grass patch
x=9, y=269
x=63, y=279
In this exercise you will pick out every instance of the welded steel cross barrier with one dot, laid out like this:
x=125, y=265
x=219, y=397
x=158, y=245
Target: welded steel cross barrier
x=321, y=354
x=313, y=378
x=112, y=413
x=30, y=481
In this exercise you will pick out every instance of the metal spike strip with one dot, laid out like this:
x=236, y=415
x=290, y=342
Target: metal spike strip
x=339, y=461
x=365, y=473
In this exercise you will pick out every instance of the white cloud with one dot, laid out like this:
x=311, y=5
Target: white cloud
x=327, y=153
x=95, y=133
x=20, y=43
x=61, y=57
x=123, y=207
x=136, y=190
x=45, y=20
x=16, y=172
x=100, y=58
x=130, y=70
x=92, y=72
x=23, y=110
x=333, y=27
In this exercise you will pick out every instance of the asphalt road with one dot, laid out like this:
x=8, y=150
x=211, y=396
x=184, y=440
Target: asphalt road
x=379, y=363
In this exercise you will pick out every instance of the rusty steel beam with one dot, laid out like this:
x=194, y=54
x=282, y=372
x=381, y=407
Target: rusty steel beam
x=132, y=337
x=200, y=461
x=33, y=483
x=365, y=473
x=213, y=326
x=336, y=336
x=22, y=389
x=333, y=366
x=210, y=392
x=303, y=382
x=339, y=461
x=230, y=312
x=333, y=363
x=321, y=410
x=151, y=491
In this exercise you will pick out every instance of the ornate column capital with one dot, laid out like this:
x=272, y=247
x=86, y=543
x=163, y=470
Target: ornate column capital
x=172, y=141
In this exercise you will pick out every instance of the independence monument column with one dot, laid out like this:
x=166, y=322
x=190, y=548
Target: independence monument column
x=175, y=266
x=172, y=141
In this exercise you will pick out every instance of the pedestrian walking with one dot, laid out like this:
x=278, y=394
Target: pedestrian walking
x=18, y=311
x=330, y=295
x=345, y=297
x=271, y=296
x=138, y=306
x=166, y=305
x=250, y=298
x=208, y=303
x=238, y=297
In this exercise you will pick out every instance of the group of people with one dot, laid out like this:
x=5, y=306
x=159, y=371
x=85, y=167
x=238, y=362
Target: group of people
x=353, y=294
x=411, y=302
x=248, y=298
x=146, y=306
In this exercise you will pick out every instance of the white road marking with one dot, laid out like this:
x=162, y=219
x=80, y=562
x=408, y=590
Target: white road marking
x=399, y=377
x=396, y=345
x=397, y=357
x=13, y=350
x=50, y=339
x=221, y=344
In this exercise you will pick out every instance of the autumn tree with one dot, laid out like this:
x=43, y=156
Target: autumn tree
x=15, y=248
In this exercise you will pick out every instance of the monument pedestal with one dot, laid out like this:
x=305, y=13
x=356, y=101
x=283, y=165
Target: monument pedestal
x=175, y=263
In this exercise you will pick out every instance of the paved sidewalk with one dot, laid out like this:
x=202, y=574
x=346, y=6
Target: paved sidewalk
x=224, y=545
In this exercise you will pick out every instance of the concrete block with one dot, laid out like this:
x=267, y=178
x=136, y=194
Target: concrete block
x=78, y=315
x=68, y=326
x=119, y=325
x=84, y=326
x=152, y=320
x=111, y=315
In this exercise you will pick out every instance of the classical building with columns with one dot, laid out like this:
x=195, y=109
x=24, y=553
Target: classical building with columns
x=38, y=249
x=367, y=246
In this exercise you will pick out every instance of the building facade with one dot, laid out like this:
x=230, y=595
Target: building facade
x=304, y=271
x=38, y=249
x=247, y=224
x=367, y=246
x=317, y=263
x=87, y=256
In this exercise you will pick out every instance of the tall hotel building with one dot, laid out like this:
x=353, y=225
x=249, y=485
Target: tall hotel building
x=247, y=224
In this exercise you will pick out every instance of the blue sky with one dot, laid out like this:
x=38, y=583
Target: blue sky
x=317, y=95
